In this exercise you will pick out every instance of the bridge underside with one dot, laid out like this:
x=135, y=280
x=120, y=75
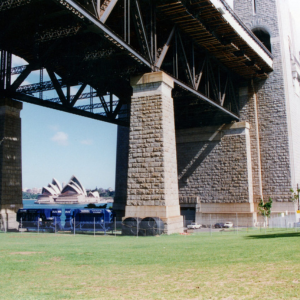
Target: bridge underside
x=194, y=43
x=201, y=46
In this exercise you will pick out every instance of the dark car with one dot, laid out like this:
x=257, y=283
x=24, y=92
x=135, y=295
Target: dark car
x=219, y=225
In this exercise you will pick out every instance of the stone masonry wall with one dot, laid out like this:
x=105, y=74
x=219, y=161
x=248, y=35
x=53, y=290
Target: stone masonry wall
x=170, y=162
x=10, y=153
x=271, y=109
x=214, y=170
x=247, y=105
x=152, y=148
x=152, y=189
x=10, y=162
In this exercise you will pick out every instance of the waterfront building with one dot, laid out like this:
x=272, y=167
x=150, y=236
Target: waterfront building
x=72, y=193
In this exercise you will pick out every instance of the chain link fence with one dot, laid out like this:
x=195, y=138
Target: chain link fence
x=237, y=223
x=153, y=227
x=142, y=228
x=2, y=224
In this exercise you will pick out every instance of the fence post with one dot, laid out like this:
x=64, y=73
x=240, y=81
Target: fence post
x=137, y=227
x=94, y=226
x=271, y=220
x=285, y=223
x=236, y=217
x=115, y=227
x=21, y=224
x=74, y=225
x=210, y=223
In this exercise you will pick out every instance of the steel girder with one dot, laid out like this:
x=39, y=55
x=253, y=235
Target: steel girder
x=81, y=49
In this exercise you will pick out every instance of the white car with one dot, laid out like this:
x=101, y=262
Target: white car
x=228, y=225
x=194, y=225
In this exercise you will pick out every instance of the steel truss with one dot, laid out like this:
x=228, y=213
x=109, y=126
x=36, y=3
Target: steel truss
x=121, y=38
x=105, y=110
x=8, y=4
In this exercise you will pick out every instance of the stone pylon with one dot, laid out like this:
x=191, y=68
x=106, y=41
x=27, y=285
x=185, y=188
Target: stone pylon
x=10, y=163
x=152, y=189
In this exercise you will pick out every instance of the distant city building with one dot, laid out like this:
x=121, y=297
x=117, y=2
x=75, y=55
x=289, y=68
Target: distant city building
x=36, y=190
x=32, y=191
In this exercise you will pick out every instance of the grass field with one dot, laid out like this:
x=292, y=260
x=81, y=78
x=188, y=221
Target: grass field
x=251, y=265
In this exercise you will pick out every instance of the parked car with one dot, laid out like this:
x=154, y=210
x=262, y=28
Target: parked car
x=194, y=225
x=228, y=225
x=219, y=225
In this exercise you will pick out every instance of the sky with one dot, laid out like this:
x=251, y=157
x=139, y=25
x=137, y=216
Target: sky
x=58, y=144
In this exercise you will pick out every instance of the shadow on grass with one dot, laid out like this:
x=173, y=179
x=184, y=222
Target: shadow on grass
x=274, y=235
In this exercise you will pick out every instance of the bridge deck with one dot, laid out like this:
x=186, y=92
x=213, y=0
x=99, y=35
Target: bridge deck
x=213, y=25
x=200, y=43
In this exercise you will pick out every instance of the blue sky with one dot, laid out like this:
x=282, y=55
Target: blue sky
x=58, y=144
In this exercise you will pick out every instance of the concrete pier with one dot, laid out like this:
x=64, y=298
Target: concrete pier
x=10, y=163
x=214, y=165
x=152, y=189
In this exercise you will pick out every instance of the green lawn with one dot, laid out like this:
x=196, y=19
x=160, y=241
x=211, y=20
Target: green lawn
x=251, y=265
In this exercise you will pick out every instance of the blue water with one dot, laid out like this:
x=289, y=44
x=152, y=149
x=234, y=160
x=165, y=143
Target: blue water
x=31, y=204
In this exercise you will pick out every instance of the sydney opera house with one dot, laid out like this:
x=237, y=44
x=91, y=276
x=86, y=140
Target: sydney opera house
x=73, y=192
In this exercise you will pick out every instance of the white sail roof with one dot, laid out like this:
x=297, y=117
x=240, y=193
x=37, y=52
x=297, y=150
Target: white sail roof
x=56, y=183
x=94, y=194
x=74, y=185
x=75, y=180
x=48, y=191
x=71, y=187
x=54, y=188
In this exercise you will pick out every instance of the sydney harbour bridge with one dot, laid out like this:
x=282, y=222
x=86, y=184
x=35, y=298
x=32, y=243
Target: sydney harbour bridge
x=98, y=46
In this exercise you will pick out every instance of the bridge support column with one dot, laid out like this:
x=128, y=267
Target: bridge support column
x=121, y=172
x=152, y=189
x=10, y=163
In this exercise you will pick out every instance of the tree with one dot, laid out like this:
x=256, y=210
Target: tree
x=265, y=208
x=295, y=195
x=29, y=195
